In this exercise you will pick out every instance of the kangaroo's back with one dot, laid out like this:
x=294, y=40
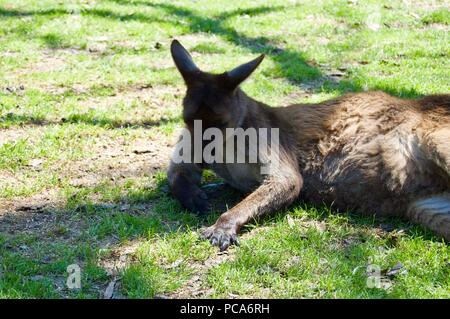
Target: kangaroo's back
x=435, y=105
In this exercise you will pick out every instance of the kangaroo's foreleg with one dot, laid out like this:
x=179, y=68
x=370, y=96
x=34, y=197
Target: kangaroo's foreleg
x=279, y=190
x=184, y=180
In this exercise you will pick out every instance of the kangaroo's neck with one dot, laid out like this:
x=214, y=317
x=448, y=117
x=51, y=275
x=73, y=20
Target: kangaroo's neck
x=253, y=113
x=302, y=124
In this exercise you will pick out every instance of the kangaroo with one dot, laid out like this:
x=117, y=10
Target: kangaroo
x=370, y=153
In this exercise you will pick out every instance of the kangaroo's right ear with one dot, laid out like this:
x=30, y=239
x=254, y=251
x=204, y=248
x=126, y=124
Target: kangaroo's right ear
x=240, y=73
x=182, y=59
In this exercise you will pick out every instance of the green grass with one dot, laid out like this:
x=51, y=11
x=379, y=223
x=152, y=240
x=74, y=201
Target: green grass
x=83, y=84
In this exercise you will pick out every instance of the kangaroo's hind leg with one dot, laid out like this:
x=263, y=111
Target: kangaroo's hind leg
x=437, y=146
x=432, y=212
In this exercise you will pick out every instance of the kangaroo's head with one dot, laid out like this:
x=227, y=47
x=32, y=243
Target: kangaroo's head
x=213, y=98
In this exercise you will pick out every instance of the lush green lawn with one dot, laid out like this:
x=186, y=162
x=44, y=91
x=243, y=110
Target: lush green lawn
x=89, y=110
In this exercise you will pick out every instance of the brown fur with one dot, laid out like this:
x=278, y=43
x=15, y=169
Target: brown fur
x=370, y=153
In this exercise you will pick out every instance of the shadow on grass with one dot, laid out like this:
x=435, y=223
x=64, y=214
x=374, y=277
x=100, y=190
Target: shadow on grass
x=119, y=212
x=86, y=227
x=38, y=243
x=15, y=119
x=292, y=64
x=389, y=228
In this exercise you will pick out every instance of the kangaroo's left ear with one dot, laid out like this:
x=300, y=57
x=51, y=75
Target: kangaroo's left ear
x=240, y=73
x=183, y=60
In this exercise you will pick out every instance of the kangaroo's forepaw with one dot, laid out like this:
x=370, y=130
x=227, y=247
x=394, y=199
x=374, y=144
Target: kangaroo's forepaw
x=220, y=236
x=196, y=201
x=200, y=203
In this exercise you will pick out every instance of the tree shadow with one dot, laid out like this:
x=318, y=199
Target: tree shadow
x=292, y=64
x=102, y=13
x=17, y=119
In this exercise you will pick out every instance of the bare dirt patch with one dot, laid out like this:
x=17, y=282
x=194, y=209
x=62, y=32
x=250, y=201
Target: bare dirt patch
x=438, y=26
x=31, y=215
x=114, y=263
x=196, y=286
x=47, y=62
x=156, y=98
x=113, y=161
x=295, y=97
x=14, y=134
x=116, y=160
x=426, y=5
x=54, y=60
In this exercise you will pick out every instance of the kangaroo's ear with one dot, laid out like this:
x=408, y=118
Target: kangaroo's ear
x=182, y=59
x=240, y=73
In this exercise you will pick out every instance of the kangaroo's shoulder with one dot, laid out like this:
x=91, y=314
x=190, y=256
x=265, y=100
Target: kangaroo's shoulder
x=435, y=105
